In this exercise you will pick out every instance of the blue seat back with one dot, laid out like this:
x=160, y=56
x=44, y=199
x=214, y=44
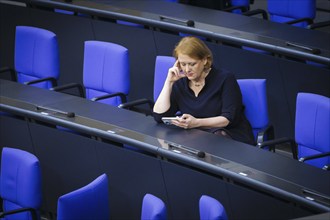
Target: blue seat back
x=20, y=182
x=162, y=64
x=88, y=202
x=153, y=208
x=106, y=70
x=312, y=127
x=245, y=3
x=286, y=10
x=36, y=55
x=211, y=209
x=255, y=101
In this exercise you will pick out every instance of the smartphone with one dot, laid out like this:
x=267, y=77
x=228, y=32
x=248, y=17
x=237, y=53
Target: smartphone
x=168, y=120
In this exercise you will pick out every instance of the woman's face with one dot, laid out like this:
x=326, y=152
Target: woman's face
x=192, y=68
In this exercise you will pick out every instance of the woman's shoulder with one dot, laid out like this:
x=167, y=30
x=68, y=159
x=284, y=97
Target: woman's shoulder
x=222, y=73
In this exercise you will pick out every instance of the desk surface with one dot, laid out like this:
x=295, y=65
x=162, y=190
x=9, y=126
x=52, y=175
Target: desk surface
x=213, y=24
x=259, y=168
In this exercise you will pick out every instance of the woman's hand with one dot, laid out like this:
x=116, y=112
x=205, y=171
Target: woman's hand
x=175, y=73
x=186, y=121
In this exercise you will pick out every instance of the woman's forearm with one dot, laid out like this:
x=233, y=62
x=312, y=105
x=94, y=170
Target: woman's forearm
x=163, y=103
x=212, y=122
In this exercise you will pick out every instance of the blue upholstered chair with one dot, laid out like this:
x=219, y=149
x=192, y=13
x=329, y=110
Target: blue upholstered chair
x=36, y=57
x=162, y=64
x=299, y=13
x=153, y=208
x=238, y=6
x=106, y=73
x=20, y=185
x=88, y=202
x=211, y=209
x=296, y=12
x=254, y=96
x=312, y=129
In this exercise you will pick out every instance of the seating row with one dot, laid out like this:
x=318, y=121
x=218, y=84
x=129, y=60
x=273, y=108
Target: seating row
x=106, y=79
x=20, y=185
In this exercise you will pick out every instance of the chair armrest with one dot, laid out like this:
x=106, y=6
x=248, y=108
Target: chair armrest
x=308, y=20
x=273, y=143
x=319, y=25
x=11, y=71
x=256, y=12
x=132, y=105
x=120, y=94
x=70, y=86
x=241, y=7
x=51, y=79
x=267, y=131
x=315, y=156
x=15, y=211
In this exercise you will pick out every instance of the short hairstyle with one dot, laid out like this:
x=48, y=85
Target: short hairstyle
x=194, y=48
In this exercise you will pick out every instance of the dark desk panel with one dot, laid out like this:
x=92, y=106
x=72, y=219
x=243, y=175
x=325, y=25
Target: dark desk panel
x=240, y=23
x=244, y=31
x=284, y=73
x=185, y=184
x=182, y=11
x=235, y=168
x=9, y=134
x=70, y=161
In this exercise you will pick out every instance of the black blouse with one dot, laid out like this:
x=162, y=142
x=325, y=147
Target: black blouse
x=221, y=96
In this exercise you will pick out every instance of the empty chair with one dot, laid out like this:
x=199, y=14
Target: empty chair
x=299, y=13
x=106, y=75
x=312, y=129
x=238, y=6
x=153, y=208
x=36, y=57
x=211, y=209
x=88, y=202
x=20, y=184
x=254, y=97
x=162, y=64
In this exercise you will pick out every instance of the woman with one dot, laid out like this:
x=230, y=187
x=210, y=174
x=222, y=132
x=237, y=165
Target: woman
x=208, y=99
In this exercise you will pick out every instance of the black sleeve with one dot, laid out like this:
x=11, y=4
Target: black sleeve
x=232, y=100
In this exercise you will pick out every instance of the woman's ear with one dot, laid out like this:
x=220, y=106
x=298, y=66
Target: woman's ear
x=205, y=61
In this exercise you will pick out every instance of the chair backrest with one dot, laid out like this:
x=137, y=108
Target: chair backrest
x=288, y=10
x=153, y=208
x=211, y=209
x=162, y=64
x=106, y=70
x=20, y=182
x=312, y=127
x=244, y=3
x=36, y=55
x=255, y=101
x=88, y=202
